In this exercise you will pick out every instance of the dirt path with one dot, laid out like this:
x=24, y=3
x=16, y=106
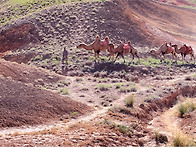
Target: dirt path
x=166, y=123
x=99, y=111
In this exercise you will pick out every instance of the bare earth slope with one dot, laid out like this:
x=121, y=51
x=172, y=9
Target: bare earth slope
x=23, y=103
x=36, y=88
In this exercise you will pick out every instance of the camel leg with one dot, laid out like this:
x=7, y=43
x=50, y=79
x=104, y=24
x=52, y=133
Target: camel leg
x=173, y=54
x=137, y=56
x=95, y=57
x=162, y=58
x=192, y=56
x=123, y=57
x=112, y=57
x=184, y=58
x=109, y=58
x=132, y=57
x=116, y=56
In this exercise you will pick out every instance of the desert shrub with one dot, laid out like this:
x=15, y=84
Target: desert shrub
x=160, y=137
x=103, y=87
x=37, y=58
x=79, y=79
x=63, y=82
x=118, y=85
x=74, y=113
x=64, y=91
x=156, y=135
x=181, y=140
x=129, y=101
x=125, y=88
x=185, y=108
x=125, y=129
x=182, y=109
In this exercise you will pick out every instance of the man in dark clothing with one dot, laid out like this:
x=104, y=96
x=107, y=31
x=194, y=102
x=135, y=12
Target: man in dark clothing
x=65, y=56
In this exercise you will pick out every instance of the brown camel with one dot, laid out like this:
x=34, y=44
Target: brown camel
x=121, y=50
x=164, y=49
x=184, y=50
x=98, y=45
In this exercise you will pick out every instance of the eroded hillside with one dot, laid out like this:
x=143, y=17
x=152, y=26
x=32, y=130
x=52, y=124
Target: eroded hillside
x=46, y=103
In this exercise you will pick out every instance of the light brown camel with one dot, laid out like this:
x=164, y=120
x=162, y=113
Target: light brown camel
x=121, y=50
x=98, y=45
x=164, y=49
x=184, y=50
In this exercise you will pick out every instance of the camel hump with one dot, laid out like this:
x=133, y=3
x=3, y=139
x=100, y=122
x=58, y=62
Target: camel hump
x=104, y=42
x=126, y=46
x=187, y=49
x=170, y=48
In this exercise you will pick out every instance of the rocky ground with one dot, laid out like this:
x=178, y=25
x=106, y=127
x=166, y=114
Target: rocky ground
x=85, y=103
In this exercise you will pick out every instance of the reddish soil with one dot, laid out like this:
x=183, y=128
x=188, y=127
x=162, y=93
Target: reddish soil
x=23, y=103
x=32, y=95
x=15, y=37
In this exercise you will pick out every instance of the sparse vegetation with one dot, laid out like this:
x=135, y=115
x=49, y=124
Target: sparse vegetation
x=99, y=85
x=103, y=87
x=181, y=140
x=118, y=85
x=157, y=135
x=185, y=108
x=125, y=130
x=129, y=101
x=64, y=91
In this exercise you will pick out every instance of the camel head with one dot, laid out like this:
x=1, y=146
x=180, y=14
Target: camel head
x=190, y=48
x=107, y=39
x=98, y=37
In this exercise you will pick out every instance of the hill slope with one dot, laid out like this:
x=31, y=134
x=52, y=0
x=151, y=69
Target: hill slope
x=145, y=23
x=23, y=101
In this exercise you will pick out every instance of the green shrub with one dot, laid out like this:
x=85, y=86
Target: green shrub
x=64, y=91
x=125, y=129
x=182, y=109
x=185, y=108
x=157, y=135
x=118, y=85
x=103, y=87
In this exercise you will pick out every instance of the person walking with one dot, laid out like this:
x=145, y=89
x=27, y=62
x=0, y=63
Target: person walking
x=65, y=56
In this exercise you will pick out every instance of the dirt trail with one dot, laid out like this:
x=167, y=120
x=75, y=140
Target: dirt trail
x=57, y=124
x=165, y=121
x=168, y=122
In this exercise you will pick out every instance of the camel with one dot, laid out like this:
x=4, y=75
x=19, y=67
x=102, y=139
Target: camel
x=121, y=50
x=98, y=45
x=164, y=49
x=184, y=50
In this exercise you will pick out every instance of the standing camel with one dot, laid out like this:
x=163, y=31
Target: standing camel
x=164, y=49
x=121, y=50
x=184, y=50
x=98, y=45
